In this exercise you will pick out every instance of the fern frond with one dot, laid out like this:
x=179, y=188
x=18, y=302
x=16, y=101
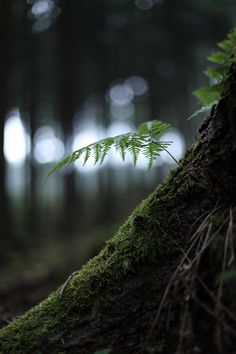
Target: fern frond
x=145, y=140
x=223, y=60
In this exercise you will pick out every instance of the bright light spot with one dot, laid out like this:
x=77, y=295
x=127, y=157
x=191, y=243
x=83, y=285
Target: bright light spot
x=177, y=147
x=42, y=8
x=138, y=85
x=48, y=148
x=121, y=112
x=121, y=94
x=16, y=144
x=83, y=139
x=118, y=128
x=144, y=4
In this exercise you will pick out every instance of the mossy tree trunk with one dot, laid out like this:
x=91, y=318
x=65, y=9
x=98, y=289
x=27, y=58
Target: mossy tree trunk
x=156, y=286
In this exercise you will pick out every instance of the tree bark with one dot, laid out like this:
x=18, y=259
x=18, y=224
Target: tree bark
x=156, y=287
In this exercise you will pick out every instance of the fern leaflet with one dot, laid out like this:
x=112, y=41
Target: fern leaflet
x=106, y=145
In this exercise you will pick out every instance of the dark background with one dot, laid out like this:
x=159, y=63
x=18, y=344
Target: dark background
x=75, y=71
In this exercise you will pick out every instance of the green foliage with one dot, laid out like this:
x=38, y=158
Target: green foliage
x=209, y=95
x=145, y=140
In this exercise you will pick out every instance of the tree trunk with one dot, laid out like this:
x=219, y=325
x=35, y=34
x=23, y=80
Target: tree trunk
x=5, y=62
x=157, y=286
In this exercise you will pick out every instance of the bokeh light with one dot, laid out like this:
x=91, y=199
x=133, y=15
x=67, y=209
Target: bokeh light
x=42, y=8
x=121, y=94
x=138, y=85
x=48, y=148
x=16, y=141
x=84, y=138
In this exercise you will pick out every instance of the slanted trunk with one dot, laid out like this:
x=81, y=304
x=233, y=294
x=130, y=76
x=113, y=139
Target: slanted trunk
x=156, y=287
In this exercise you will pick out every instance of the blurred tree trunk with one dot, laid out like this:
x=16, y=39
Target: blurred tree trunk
x=68, y=70
x=155, y=287
x=34, y=72
x=5, y=62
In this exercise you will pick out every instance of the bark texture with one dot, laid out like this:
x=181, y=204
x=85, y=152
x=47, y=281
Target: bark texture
x=165, y=283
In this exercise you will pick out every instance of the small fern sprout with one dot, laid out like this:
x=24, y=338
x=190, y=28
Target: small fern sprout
x=145, y=140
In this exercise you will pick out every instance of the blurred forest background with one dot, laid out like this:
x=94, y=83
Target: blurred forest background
x=73, y=72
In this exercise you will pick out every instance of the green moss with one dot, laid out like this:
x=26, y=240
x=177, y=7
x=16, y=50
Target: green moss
x=139, y=239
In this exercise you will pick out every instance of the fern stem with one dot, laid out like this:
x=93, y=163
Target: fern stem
x=194, y=178
x=171, y=156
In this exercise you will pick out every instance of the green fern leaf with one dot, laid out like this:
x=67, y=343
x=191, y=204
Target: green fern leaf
x=154, y=128
x=151, y=152
x=146, y=139
x=218, y=73
x=226, y=45
x=159, y=128
x=76, y=155
x=121, y=143
x=208, y=94
x=87, y=154
x=143, y=129
x=97, y=151
x=218, y=57
x=134, y=149
x=106, y=146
